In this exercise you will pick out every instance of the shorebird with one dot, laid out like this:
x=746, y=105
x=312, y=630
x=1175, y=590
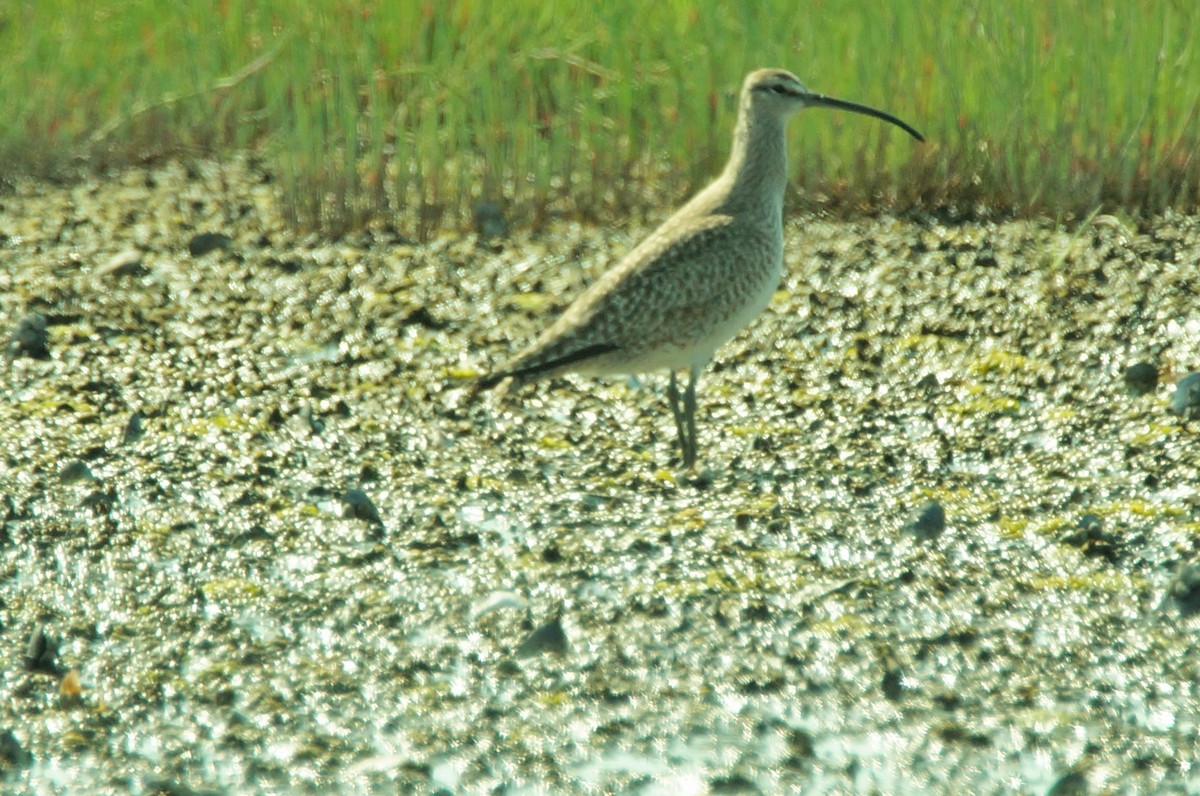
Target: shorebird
x=705, y=273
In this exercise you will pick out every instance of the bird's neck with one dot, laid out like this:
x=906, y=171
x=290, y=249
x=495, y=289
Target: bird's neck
x=757, y=170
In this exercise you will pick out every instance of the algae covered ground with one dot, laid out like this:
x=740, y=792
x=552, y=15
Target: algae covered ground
x=256, y=538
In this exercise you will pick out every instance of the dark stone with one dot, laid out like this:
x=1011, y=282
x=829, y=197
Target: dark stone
x=550, y=637
x=928, y=523
x=41, y=652
x=360, y=506
x=30, y=339
x=12, y=754
x=1073, y=784
x=1186, y=400
x=489, y=220
x=206, y=242
x=133, y=429
x=1141, y=378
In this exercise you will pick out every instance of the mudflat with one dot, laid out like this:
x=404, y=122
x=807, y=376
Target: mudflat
x=943, y=537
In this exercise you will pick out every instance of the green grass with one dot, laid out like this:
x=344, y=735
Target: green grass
x=415, y=109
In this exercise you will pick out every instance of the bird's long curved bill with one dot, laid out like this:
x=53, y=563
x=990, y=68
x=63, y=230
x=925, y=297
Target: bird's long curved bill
x=830, y=102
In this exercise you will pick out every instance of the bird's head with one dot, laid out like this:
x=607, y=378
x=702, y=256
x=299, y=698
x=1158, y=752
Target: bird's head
x=780, y=93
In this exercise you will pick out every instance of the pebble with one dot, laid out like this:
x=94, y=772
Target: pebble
x=550, y=637
x=206, y=242
x=1072, y=784
x=30, y=339
x=360, y=507
x=41, y=652
x=1141, y=378
x=1183, y=591
x=928, y=523
x=123, y=263
x=133, y=429
x=1186, y=400
x=12, y=754
x=1090, y=537
x=75, y=471
x=496, y=601
x=489, y=220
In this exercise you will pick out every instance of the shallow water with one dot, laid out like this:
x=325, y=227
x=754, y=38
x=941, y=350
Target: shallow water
x=769, y=624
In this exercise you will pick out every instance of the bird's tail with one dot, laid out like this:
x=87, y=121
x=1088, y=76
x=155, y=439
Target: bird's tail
x=532, y=368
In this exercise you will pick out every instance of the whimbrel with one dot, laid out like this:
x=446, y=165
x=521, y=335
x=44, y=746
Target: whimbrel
x=706, y=272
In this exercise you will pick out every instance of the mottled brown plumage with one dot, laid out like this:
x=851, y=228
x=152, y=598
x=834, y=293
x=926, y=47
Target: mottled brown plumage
x=705, y=273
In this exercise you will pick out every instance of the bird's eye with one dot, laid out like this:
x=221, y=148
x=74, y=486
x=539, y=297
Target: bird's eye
x=780, y=89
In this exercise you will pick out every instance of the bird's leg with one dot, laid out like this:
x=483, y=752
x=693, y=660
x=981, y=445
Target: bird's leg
x=677, y=412
x=689, y=412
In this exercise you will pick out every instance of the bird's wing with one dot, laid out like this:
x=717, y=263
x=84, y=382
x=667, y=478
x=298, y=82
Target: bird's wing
x=652, y=283
x=659, y=273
